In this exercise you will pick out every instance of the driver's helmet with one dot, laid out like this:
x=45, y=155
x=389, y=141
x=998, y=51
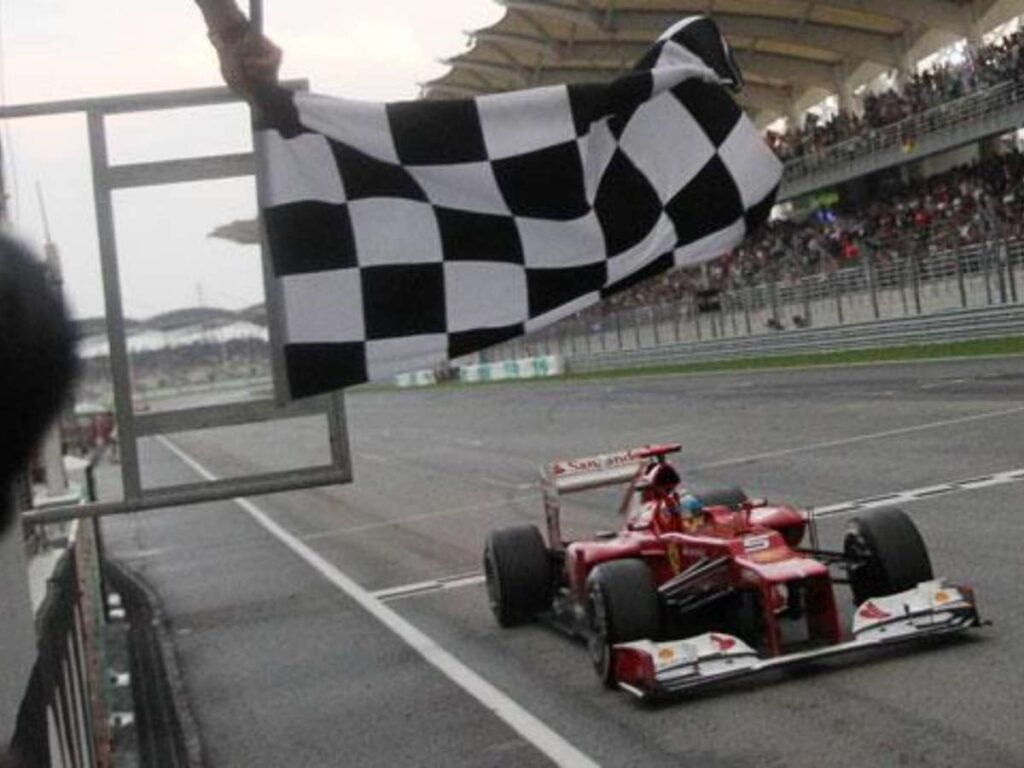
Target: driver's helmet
x=691, y=505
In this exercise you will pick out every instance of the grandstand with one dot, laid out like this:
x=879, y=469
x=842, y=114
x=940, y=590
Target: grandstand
x=896, y=120
x=198, y=345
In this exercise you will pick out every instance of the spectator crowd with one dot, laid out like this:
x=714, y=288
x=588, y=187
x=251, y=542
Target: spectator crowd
x=980, y=69
x=965, y=205
x=962, y=206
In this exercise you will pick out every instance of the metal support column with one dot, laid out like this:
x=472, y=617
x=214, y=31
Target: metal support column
x=958, y=256
x=837, y=292
x=1011, y=273
x=986, y=256
x=119, y=362
x=746, y=309
x=915, y=275
x=872, y=278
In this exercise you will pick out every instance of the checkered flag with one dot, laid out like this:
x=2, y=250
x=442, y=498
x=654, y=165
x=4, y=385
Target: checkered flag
x=406, y=234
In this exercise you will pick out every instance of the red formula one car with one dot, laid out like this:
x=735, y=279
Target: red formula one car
x=692, y=590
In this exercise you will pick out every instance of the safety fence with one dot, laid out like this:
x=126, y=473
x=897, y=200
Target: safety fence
x=880, y=287
x=904, y=134
x=956, y=325
x=63, y=718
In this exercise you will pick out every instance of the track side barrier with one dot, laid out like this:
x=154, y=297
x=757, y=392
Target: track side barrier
x=417, y=379
x=526, y=368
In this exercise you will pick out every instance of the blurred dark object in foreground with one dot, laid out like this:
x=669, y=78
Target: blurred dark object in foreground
x=37, y=361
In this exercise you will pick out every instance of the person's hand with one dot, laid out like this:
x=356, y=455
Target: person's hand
x=248, y=62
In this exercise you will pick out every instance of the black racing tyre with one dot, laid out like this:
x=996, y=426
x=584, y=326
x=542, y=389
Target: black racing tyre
x=622, y=606
x=730, y=497
x=517, y=571
x=892, y=555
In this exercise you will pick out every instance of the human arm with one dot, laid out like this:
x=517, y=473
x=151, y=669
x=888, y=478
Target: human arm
x=248, y=60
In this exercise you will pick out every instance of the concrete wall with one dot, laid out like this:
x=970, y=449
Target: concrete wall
x=942, y=162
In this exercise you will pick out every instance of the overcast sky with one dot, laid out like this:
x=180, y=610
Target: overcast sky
x=62, y=49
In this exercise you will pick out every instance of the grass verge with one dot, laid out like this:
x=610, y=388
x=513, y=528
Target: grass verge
x=1012, y=345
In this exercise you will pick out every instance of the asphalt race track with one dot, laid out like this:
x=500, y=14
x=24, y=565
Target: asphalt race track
x=285, y=664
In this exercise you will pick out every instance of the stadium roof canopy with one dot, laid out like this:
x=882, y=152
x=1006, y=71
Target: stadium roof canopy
x=793, y=52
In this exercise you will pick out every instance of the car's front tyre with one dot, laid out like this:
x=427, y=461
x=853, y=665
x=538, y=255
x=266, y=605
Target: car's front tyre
x=887, y=554
x=622, y=606
x=517, y=572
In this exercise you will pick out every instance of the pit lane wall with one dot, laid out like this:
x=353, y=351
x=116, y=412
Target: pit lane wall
x=63, y=719
x=56, y=672
x=503, y=370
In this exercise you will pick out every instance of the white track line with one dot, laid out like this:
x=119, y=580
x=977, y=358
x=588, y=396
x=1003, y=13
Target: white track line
x=860, y=438
x=519, y=719
x=428, y=587
x=381, y=524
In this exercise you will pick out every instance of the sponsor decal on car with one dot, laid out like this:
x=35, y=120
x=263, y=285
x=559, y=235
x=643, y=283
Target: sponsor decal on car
x=757, y=543
x=674, y=557
x=597, y=463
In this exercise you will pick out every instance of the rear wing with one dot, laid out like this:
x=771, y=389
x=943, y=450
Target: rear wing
x=575, y=475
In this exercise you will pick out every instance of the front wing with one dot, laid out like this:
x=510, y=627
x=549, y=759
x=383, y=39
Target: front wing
x=932, y=608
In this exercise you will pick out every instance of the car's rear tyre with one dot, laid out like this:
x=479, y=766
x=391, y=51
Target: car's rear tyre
x=622, y=606
x=517, y=572
x=731, y=497
x=887, y=552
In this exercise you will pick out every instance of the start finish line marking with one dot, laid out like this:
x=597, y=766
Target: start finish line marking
x=920, y=494
x=433, y=586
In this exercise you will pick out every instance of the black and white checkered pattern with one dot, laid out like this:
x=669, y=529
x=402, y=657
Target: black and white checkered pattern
x=406, y=234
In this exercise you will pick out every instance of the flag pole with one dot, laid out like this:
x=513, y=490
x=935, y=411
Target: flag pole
x=271, y=287
x=256, y=16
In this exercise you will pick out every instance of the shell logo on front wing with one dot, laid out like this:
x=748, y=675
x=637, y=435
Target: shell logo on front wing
x=772, y=555
x=723, y=642
x=871, y=611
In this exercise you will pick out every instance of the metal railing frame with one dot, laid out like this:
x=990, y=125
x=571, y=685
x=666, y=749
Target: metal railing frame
x=131, y=426
x=997, y=262
x=964, y=110
x=62, y=720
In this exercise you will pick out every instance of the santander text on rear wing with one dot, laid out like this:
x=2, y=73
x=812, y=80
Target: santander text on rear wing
x=567, y=476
